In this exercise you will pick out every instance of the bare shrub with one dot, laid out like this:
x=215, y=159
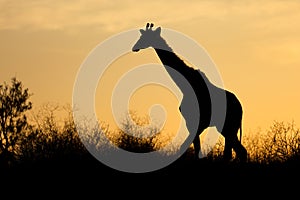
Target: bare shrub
x=282, y=142
x=140, y=138
x=278, y=144
x=50, y=138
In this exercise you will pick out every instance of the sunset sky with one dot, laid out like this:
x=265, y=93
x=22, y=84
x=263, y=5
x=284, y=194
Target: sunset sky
x=254, y=44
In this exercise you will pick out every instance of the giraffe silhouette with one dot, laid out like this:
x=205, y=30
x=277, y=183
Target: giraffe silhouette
x=206, y=93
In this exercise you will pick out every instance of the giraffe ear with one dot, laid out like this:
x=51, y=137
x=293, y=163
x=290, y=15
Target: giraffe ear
x=142, y=31
x=158, y=30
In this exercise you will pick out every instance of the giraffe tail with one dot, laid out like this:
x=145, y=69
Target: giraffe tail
x=241, y=131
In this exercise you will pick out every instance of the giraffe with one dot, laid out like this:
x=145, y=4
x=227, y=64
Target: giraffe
x=205, y=91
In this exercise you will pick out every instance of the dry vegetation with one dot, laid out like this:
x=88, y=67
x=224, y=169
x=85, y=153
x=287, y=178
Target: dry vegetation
x=47, y=138
x=278, y=144
x=44, y=138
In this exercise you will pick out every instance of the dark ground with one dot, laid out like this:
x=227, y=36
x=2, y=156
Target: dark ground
x=186, y=176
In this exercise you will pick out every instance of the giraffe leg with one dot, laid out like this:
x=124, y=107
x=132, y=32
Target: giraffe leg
x=227, y=156
x=240, y=150
x=233, y=143
x=197, y=146
x=230, y=133
x=190, y=123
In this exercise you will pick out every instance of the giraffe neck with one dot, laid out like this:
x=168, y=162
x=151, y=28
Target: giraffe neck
x=206, y=92
x=168, y=57
x=173, y=64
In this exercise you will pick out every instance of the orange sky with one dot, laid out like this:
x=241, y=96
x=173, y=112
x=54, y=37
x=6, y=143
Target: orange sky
x=254, y=44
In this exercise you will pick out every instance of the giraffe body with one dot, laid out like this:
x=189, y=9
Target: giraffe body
x=206, y=96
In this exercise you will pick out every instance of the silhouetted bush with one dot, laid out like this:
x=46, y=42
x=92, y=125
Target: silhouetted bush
x=48, y=137
x=279, y=144
x=49, y=140
x=133, y=136
x=139, y=136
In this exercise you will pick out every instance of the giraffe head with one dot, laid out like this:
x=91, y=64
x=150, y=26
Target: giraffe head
x=148, y=38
